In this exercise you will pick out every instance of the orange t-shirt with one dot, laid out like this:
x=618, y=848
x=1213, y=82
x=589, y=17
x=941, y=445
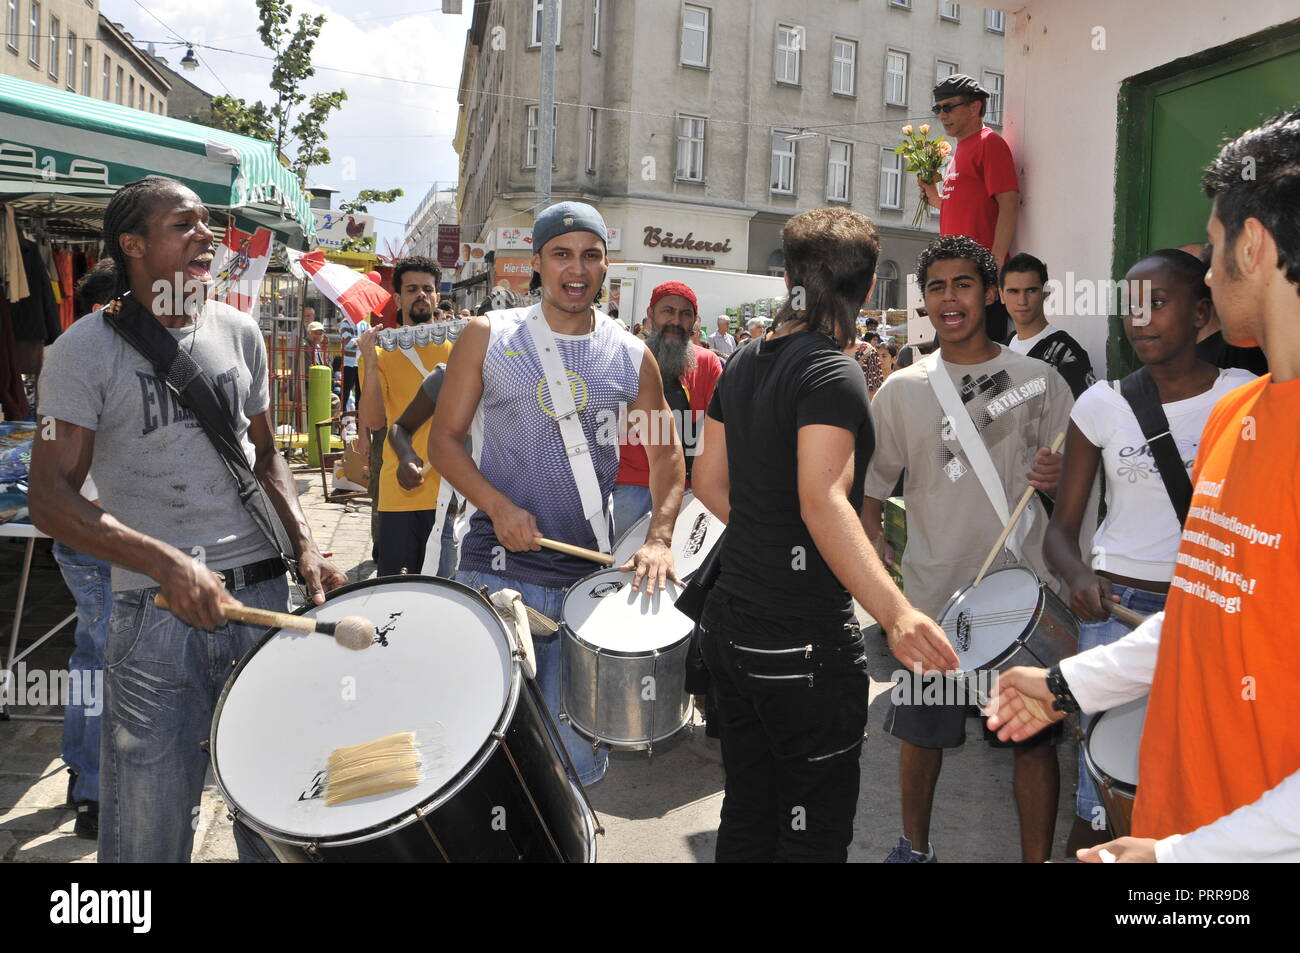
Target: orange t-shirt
x=1223, y=722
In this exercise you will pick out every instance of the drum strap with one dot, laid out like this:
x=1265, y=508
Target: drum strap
x=594, y=505
x=977, y=454
x=1140, y=390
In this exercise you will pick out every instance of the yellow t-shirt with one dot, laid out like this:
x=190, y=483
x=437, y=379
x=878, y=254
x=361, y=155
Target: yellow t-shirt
x=399, y=380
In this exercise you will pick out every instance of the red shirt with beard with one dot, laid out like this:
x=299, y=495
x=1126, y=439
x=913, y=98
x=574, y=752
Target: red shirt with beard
x=633, y=465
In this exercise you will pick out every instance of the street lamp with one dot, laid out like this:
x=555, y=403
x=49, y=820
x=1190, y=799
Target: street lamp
x=189, y=62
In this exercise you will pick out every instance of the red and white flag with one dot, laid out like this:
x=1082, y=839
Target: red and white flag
x=352, y=291
x=238, y=266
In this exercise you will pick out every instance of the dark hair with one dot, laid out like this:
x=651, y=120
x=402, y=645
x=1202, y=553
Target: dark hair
x=873, y=338
x=445, y=305
x=128, y=212
x=1186, y=266
x=1257, y=175
x=947, y=247
x=830, y=256
x=97, y=286
x=416, y=263
x=1022, y=263
x=892, y=348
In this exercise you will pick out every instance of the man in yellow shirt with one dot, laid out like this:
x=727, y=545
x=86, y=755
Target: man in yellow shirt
x=389, y=380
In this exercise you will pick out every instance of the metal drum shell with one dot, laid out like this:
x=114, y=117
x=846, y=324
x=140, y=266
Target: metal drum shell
x=1117, y=797
x=1050, y=635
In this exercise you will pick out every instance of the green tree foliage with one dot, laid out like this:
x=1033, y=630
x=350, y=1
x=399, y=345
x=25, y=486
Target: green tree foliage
x=365, y=198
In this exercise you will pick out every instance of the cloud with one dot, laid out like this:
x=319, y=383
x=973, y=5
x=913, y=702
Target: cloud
x=389, y=133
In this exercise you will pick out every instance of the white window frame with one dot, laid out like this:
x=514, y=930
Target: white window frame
x=990, y=79
x=886, y=282
x=889, y=74
x=532, y=117
x=13, y=20
x=595, y=26
x=706, y=31
x=55, y=52
x=901, y=4
x=939, y=74
x=535, y=24
x=108, y=79
x=838, y=65
x=995, y=21
x=591, y=138
x=792, y=51
x=949, y=11
x=70, y=66
x=832, y=164
x=87, y=66
x=34, y=29
x=891, y=179
x=119, y=84
x=786, y=152
x=691, y=147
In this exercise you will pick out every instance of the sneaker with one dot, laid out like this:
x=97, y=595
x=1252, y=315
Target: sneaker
x=903, y=854
x=87, y=825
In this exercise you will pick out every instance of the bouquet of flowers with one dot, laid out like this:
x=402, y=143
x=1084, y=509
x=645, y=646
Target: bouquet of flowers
x=924, y=157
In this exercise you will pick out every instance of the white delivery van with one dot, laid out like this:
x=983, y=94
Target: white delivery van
x=630, y=283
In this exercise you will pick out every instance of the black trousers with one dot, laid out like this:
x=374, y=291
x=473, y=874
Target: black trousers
x=791, y=706
x=351, y=383
x=402, y=539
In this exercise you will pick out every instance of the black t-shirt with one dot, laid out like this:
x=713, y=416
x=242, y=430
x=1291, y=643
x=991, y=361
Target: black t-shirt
x=1066, y=355
x=1217, y=351
x=766, y=393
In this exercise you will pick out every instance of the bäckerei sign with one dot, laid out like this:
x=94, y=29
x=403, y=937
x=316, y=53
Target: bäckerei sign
x=657, y=238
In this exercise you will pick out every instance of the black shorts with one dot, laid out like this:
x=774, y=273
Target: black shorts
x=913, y=719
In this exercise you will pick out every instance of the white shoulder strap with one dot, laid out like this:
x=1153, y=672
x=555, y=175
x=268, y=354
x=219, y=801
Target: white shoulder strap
x=977, y=454
x=594, y=505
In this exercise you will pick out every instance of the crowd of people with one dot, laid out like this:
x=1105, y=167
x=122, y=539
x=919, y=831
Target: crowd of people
x=794, y=437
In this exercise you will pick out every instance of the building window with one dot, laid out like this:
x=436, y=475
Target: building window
x=535, y=37
x=695, y=35
x=130, y=91
x=995, y=21
x=886, y=295
x=839, y=167
x=595, y=26
x=107, y=70
x=943, y=69
x=904, y=4
x=140, y=89
x=789, y=45
x=71, y=70
x=891, y=179
x=844, y=66
x=783, y=162
x=530, y=137
x=895, y=78
x=11, y=26
x=591, y=139
x=54, y=47
x=690, y=148
x=117, y=86
x=950, y=11
x=34, y=29
x=85, y=69
x=993, y=109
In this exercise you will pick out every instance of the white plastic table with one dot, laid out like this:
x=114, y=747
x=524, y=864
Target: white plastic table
x=31, y=534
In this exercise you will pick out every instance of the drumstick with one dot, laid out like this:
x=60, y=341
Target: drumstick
x=351, y=632
x=603, y=558
x=1015, y=518
x=1125, y=614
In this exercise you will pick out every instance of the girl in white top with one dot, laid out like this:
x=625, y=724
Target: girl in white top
x=1134, y=548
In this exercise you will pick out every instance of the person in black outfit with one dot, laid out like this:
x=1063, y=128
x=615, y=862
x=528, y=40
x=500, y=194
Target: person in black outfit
x=1210, y=345
x=1022, y=282
x=786, y=442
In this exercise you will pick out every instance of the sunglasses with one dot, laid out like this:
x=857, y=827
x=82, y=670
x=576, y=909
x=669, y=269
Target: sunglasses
x=949, y=107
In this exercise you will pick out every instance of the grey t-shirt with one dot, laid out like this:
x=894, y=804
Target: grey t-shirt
x=156, y=469
x=1017, y=404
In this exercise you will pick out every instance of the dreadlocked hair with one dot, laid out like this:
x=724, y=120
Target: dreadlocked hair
x=127, y=213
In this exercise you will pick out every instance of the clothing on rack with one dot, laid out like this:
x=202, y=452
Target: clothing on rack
x=67, y=306
x=13, y=397
x=11, y=260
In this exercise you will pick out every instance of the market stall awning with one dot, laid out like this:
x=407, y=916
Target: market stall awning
x=54, y=142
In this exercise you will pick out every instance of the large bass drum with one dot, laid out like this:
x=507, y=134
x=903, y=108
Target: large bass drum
x=1110, y=754
x=495, y=785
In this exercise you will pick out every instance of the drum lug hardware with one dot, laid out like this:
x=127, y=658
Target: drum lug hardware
x=205, y=746
x=313, y=851
x=564, y=717
x=498, y=736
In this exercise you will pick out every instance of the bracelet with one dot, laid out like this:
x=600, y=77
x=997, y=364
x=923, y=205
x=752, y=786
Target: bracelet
x=1057, y=685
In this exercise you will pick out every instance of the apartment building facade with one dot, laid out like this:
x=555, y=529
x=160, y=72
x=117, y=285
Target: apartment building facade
x=698, y=127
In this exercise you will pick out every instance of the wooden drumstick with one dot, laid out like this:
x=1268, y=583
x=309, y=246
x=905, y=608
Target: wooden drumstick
x=351, y=632
x=1015, y=518
x=603, y=558
x=1125, y=614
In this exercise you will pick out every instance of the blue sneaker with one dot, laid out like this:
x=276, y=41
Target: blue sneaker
x=903, y=854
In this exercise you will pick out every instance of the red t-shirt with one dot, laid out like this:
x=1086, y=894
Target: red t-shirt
x=633, y=465
x=981, y=168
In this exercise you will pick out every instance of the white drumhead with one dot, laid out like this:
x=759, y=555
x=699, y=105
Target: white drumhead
x=986, y=619
x=605, y=611
x=1115, y=738
x=695, y=534
x=445, y=673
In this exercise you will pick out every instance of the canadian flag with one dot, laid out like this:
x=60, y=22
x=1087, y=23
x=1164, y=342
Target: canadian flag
x=350, y=290
x=238, y=266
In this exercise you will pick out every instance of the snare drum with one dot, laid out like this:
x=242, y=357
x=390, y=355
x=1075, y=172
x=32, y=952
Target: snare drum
x=1011, y=618
x=495, y=785
x=1110, y=753
x=624, y=661
x=695, y=534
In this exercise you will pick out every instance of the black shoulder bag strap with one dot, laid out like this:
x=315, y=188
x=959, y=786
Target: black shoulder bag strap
x=1142, y=395
x=195, y=392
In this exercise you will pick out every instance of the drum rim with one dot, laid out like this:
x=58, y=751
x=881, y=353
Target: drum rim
x=995, y=663
x=409, y=815
x=1100, y=777
x=567, y=630
x=628, y=745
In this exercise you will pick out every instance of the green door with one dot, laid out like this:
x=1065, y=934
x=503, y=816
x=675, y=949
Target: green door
x=1172, y=123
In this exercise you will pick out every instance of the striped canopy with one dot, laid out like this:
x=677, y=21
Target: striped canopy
x=66, y=145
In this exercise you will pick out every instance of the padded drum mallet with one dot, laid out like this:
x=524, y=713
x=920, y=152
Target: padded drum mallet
x=351, y=632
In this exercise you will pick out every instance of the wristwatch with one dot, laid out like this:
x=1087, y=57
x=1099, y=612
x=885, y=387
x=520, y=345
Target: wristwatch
x=1057, y=685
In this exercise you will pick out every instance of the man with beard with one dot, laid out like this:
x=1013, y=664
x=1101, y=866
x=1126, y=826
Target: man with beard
x=689, y=374
x=408, y=501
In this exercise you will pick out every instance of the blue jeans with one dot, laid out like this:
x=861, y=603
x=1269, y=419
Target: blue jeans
x=449, y=554
x=90, y=581
x=162, y=680
x=1091, y=635
x=630, y=504
x=588, y=762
